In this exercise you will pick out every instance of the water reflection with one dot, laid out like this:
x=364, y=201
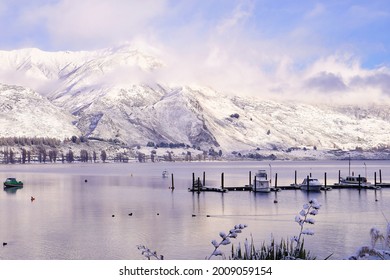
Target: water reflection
x=11, y=190
x=72, y=217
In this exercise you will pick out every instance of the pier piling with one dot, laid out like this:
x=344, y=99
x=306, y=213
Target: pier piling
x=325, y=181
x=173, y=183
x=307, y=183
x=276, y=180
x=222, y=180
x=255, y=184
x=295, y=178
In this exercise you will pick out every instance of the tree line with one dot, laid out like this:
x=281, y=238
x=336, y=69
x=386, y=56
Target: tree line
x=42, y=155
x=30, y=141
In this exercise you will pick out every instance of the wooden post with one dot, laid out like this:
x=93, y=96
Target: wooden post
x=173, y=183
x=222, y=180
x=198, y=185
x=276, y=180
x=295, y=178
x=193, y=181
x=359, y=181
x=310, y=174
x=307, y=182
x=255, y=184
x=375, y=178
x=250, y=178
x=380, y=176
x=325, y=180
x=204, y=178
x=349, y=166
x=339, y=176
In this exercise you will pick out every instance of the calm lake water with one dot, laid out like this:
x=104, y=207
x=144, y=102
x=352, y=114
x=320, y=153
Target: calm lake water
x=72, y=219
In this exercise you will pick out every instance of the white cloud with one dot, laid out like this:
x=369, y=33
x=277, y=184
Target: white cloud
x=318, y=10
x=95, y=23
x=240, y=13
x=237, y=50
x=363, y=14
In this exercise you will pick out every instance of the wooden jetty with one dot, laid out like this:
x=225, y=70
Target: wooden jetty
x=199, y=185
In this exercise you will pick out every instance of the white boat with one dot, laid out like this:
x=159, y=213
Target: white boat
x=310, y=184
x=165, y=174
x=354, y=181
x=261, y=182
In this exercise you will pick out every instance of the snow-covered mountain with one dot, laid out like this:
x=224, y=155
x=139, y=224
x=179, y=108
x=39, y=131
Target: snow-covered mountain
x=24, y=112
x=117, y=94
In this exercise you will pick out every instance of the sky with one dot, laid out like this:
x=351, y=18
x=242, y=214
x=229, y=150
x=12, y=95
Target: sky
x=337, y=49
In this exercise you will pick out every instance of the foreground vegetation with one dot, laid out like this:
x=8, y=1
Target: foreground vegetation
x=290, y=248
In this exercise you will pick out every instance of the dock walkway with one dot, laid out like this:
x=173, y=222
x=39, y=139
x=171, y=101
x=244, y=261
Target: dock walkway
x=199, y=185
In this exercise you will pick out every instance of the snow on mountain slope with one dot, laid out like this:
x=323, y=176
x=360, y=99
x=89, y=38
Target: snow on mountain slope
x=23, y=112
x=115, y=94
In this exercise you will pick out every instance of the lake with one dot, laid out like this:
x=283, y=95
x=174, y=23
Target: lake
x=99, y=211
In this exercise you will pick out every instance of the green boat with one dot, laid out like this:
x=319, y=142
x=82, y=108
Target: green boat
x=12, y=183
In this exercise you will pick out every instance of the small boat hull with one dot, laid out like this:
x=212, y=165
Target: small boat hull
x=12, y=183
x=311, y=188
x=261, y=187
x=6, y=186
x=354, y=182
x=310, y=185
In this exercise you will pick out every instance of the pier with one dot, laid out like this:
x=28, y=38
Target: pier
x=199, y=185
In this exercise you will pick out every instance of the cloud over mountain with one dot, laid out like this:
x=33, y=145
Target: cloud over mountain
x=129, y=95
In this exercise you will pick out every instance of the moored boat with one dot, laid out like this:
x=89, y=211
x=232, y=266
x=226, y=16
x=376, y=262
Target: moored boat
x=12, y=183
x=310, y=184
x=261, y=182
x=354, y=181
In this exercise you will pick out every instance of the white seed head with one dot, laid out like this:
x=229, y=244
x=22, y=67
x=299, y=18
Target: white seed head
x=217, y=253
x=226, y=241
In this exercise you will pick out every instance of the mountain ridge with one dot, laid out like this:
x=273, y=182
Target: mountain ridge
x=116, y=94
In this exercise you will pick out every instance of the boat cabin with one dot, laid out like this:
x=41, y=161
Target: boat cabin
x=355, y=179
x=311, y=181
x=261, y=174
x=10, y=180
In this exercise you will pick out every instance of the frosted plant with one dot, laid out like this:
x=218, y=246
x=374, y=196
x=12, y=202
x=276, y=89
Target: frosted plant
x=233, y=233
x=290, y=249
x=304, y=217
x=147, y=253
x=371, y=252
x=375, y=236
